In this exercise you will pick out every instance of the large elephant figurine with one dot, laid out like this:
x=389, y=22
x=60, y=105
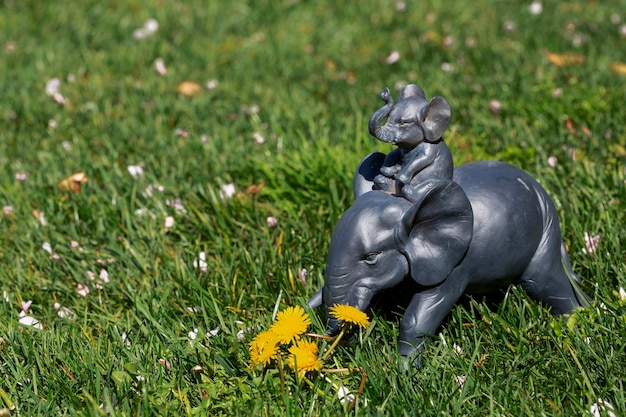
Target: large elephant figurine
x=491, y=226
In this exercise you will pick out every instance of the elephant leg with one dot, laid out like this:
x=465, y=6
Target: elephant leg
x=549, y=279
x=424, y=315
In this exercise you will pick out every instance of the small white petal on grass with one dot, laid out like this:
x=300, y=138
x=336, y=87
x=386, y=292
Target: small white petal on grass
x=258, y=138
x=302, y=274
x=193, y=309
x=53, y=86
x=5, y=296
x=151, y=188
x=144, y=212
x=250, y=110
x=344, y=395
x=125, y=339
x=622, y=31
x=213, y=333
x=82, y=290
x=181, y=133
x=272, y=222
x=227, y=191
x=193, y=334
x=602, y=408
x=52, y=124
x=169, y=222
x=40, y=216
x=510, y=26
x=104, y=276
x=149, y=28
x=66, y=145
x=26, y=305
x=201, y=262
x=622, y=294
x=460, y=379
x=165, y=363
x=393, y=57
x=64, y=312
x=535, y=7
x=458, y=349
x=7, y=210
x=46, y=246
x=212, y=84
x=495, y=106
x=21, y=176
x=591, y=244
x=29, y=321
x=135, y=170
x=552, y=161
x=177, y=204
x=400, y=6
x=242, y=333
x=447, y=67
x=159, y=66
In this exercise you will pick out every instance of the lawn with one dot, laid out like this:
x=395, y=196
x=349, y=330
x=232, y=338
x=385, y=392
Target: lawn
x=171, y=172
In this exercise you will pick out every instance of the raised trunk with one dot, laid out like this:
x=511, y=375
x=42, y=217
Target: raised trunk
x=374, y=125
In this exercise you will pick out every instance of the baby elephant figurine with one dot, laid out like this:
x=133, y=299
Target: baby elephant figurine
x=415, y=125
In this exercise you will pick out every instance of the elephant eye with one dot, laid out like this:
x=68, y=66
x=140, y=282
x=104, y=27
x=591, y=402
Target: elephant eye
x=370, y=258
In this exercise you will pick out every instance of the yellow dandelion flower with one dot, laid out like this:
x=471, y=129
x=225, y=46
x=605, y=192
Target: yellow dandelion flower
x=349, y=314
x=290, y=324
x=304, y=358
x=263, y=348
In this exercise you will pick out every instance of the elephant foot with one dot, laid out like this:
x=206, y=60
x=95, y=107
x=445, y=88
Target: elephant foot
x=389, y=171
x=385, y=184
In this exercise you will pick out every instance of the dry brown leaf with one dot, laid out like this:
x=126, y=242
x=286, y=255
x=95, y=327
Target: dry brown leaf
x=73, y=182
x=562, y=60
x=618, y=68
x=188, y=88
x=573, y=127
x=254, y=189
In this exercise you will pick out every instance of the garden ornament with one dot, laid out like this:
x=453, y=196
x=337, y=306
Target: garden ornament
x=488, y=226
x=415, y=125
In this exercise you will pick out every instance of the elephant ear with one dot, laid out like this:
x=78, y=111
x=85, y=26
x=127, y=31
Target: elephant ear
x=435, y=117
x=365, y=173
x=435, y=232
x=411, y=90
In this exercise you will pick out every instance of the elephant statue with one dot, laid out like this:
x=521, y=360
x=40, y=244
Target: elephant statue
x=492, y=225
x=415, y=125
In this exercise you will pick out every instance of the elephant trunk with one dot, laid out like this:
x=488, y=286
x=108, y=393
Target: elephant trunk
x=377, y=118
x=355, y=296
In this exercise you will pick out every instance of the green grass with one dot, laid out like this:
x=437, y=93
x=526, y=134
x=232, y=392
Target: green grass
x=314, y=71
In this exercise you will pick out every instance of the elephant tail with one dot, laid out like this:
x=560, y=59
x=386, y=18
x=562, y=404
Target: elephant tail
x=316, y=300
x=568, y=265
x=582, y=298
